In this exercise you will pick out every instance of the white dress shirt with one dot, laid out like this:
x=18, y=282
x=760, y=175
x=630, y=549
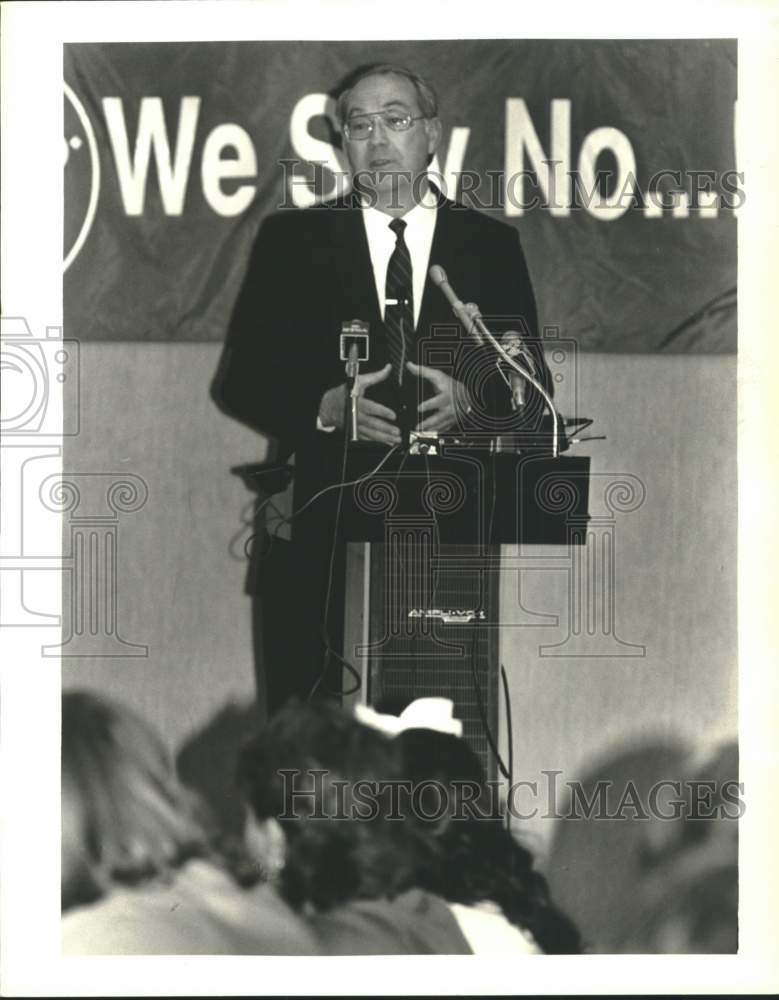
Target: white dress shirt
x=418, y=234
x=488, y=932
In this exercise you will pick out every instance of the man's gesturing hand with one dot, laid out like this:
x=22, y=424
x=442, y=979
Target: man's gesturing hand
x=374, y=421
x=449, y=404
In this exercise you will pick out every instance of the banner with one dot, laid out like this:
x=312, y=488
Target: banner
x=615, y=160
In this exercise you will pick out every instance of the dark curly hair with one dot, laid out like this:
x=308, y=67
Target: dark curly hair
x=331, y=856
x=467, y=855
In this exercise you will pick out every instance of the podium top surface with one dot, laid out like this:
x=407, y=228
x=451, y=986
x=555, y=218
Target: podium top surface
x=464, y=495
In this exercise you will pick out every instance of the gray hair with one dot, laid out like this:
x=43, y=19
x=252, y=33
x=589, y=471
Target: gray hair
x=428, y=100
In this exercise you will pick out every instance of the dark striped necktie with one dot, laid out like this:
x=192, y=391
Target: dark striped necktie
x=399, y=311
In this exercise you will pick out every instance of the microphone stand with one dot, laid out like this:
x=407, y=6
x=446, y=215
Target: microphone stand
x=470, y=316
x=353, y=382
x=474, y=315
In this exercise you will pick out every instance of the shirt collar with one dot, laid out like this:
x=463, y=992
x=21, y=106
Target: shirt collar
x=420, y=213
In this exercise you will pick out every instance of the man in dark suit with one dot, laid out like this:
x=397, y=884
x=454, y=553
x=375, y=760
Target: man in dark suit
x=367, y=256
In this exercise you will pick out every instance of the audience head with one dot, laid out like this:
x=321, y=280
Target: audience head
x=125, y=816
x=465, y=854
x=685, y=896
x=316, y=782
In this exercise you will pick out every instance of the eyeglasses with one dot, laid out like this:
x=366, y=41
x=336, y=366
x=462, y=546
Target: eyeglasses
x=361, y=126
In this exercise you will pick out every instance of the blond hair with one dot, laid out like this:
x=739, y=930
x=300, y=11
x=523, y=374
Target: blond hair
x=133, y=819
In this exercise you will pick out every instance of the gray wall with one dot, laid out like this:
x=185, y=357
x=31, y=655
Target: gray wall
x=145, y=410
x=671, y=423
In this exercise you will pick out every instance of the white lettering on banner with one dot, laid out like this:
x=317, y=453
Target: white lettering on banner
x=553, y=172
x=455, y=154
x=152, y=134
x=75, y=142
x=525, y=161
x=214, y=168
x=611, y=206
x=681, y=209
x=315, y=150
x=653, y=205
x=708, y=205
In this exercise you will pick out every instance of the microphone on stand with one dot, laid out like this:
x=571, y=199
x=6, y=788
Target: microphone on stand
x=467, y=313
x=352, y=374
x=471, y=319
x=353, y=349
x=514, y=346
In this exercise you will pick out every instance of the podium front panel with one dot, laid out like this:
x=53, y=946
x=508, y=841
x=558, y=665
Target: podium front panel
x=426, y=626
x=422, y=609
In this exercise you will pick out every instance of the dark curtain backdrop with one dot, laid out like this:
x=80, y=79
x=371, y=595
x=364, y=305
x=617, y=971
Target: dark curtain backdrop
x=156, y=246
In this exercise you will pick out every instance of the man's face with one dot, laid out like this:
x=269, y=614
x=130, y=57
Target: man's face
x=386, y=153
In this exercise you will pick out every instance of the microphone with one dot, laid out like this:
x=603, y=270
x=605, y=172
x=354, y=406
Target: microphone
x=513, y=345
x=466, y=313
x=353, y=364
x=352, y=374
x=471, y=318
x=354, y=348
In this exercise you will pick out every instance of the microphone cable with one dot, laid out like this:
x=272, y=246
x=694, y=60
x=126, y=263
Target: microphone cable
x=329, y=650
x=323, y=626
x=340, y=486
x=491, y=741
x=509, y=738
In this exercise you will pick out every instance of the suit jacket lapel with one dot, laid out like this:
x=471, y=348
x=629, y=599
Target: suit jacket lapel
x=353, y=262
x=435, y=308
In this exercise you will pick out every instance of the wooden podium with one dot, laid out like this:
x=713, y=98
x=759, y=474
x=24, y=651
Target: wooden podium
x=423, y=535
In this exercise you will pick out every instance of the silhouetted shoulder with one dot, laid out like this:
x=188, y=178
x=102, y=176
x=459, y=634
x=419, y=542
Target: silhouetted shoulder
x=292, y=224
x=483, y=225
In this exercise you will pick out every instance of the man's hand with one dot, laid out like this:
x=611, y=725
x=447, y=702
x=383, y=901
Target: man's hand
x=448, y=406
x=374, y=421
